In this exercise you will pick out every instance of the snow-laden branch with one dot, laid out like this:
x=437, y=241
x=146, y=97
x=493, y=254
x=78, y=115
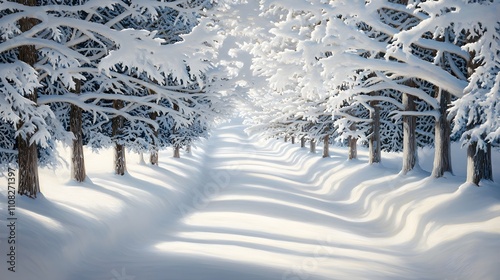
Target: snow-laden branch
x=413, y=67
x=399, y=114
x=350, y=117
x=368, y=98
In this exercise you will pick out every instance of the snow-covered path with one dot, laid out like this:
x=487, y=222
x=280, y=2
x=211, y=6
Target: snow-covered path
x=239, y=208
x=257, y=212
x=261, y=211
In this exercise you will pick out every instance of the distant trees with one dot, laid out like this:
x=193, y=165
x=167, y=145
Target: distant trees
x=103, y=73
x=433, y=64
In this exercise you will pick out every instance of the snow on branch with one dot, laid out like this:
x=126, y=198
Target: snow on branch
x=399, y=114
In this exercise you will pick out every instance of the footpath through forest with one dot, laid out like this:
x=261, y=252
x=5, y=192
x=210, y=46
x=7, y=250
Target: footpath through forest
x=240, y=208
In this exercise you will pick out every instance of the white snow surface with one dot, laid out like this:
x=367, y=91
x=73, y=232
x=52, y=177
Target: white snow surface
x=240, y=207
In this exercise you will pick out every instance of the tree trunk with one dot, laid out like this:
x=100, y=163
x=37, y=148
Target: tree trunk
x=120, y=162
x=488, y=164
x=28, y=183
x=28, y=168
x=77, y=157
x=153, y=157
x=286, y=138
x=374, y=141
x=293, y=140
x=117, y=126
x=188, y=149
x=177, y=152
x=177, y=149
x=303, y=142
x=478, y=164
x=353, y=143
x=75, y=123
x=442, y=153
x=326, y=146
x=409, y=135
x=312, y=146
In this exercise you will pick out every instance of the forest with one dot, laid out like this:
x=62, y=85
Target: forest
x=145, y=75
x=365, y=79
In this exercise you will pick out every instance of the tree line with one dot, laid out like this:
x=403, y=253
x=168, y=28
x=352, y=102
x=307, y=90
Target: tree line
x=392, y=75
x=137, y=75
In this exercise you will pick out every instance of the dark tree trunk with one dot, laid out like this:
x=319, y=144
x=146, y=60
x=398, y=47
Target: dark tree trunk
x=77, y=158
x=117, y=126
x=374, y=141
x=442, y=153
x=312, y=146
x=293, y=140
x=28, y=184
x=326, y=146
x=303, y=142
x=28, y=168
x=353, y=143
x=478, y=164
x=154, y=158
x=120, y=162
x=177, y=152
x=409, y=135
x=488, y=164
x=177, y=149
x=286, y=138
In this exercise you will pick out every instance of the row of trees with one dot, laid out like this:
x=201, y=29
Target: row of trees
x=141, y=75
x=392, y=74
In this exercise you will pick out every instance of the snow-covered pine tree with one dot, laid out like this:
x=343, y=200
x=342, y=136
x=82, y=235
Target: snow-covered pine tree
x=476, y=111
x=27, y=152
x=389, y=18
x=66, y=62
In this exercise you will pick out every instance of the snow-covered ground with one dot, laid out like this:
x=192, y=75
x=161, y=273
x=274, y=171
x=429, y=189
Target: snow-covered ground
x=241, y=208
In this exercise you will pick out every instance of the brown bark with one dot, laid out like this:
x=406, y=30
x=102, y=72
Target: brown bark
x=353, y=144
x=177, y=152
x=117, y=126
x=442, y=153
x=154, y=158
x=409, y=134
x=374, y=141
x=303, y=142
x=479, y=165
x=28, y=184
x=77, y=157
x=326, y=146
x=312, y=146
x=177, y=149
